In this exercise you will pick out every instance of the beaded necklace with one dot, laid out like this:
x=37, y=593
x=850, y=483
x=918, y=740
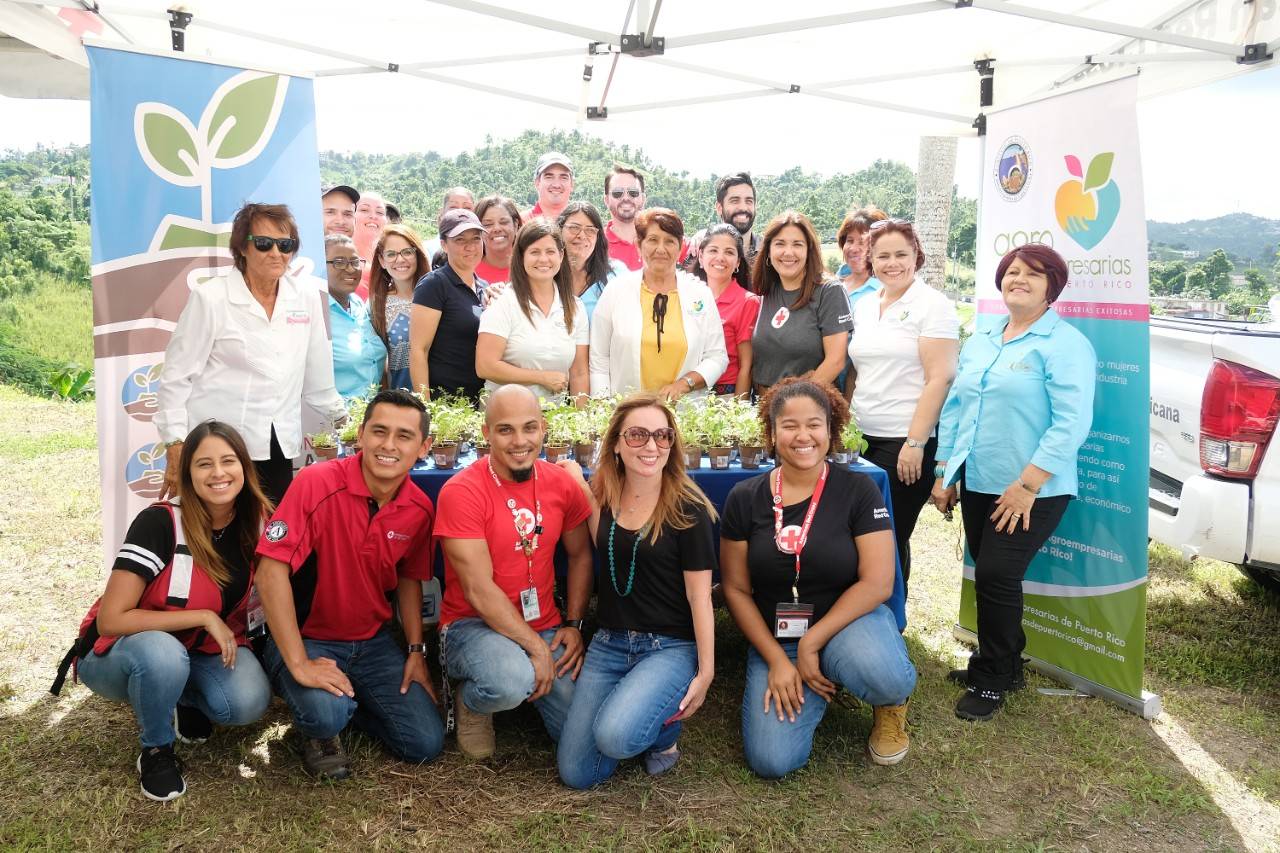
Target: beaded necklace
x=613, y=571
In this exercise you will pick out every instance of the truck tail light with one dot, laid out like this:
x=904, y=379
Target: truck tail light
x=1238, y=415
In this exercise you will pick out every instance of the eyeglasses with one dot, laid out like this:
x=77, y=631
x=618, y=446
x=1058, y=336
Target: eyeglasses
x=346, y=263
x=573, y=229
x=633, y=193
x=639, y=437
x=286, y=245
x=407, y=253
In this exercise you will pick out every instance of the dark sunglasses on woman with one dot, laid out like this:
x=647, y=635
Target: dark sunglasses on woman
x=639, y=437
x=286, y=245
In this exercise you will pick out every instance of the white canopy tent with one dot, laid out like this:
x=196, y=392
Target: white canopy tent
x=645, y=62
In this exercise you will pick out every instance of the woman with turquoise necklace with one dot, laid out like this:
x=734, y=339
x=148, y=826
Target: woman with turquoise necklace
x=651, y=661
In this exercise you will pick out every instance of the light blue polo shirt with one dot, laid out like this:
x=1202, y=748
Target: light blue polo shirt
x=1028, y=400
x=359, y=355
x=872, y=285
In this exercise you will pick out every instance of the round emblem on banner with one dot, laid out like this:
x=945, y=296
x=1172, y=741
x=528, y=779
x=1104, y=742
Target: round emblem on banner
x=1013, y=168
x=789, y=539
x=780, y=318
x=276, y=531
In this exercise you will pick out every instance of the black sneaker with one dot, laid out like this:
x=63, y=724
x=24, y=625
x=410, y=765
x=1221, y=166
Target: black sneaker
x=324, y=758
x=191, y=725
x=979, y=705
x=961, y=677
x=161, y=772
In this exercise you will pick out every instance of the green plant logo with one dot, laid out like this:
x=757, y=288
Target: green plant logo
x=234, y=128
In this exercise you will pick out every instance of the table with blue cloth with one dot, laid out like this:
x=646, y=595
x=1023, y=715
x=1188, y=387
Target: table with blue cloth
x=714, y=483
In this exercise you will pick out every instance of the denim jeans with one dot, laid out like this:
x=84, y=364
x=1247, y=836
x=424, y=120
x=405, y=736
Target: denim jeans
x=154, y=672
x=495, y=673
x=407, y=724
x=630, y=687
x=867, y=658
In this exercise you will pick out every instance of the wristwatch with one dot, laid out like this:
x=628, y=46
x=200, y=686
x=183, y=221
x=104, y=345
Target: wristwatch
x=173, y=443
x=911, y=442
x=688, y=382
x=420, y=648
x=573, y=623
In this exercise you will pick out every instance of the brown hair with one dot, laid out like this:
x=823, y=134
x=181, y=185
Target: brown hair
x=764, y=278
x=678, y=490
x=251, y=506
x=530, y=233
x=483, y=205
x=619, y=169
x=1041, y=258
x=242, y=227
x=380, y=280
x=859, y=222
x=824, y=394
x=659, y=217
x=895, y=226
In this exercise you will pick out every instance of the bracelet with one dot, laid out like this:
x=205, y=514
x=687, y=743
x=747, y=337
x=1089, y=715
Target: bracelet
x=173, y=443
x=1028, y=488
x=573, y=623
x=420, y=648
x=939, y=470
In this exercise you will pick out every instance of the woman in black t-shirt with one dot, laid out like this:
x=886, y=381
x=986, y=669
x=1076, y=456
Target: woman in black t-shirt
x=652, y=660
x=167, y=633
x=817, y=622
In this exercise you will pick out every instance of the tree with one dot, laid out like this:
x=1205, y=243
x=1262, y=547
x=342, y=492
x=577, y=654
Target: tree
x=1197, y=286
x=1217, y=270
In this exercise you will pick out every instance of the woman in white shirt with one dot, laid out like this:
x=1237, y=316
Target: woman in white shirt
x=535, y=334
x=657, y=329
x=904, y=348
x=249, y=349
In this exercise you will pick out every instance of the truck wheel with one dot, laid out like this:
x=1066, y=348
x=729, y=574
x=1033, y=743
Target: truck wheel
x=1263, y=578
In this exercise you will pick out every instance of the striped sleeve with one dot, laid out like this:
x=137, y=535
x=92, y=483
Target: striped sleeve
x=149, y=545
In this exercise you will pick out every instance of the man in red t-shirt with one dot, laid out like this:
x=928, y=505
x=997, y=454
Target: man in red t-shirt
x=624, y=196
x=499, y=522
x=347, y=535
x=553, y=180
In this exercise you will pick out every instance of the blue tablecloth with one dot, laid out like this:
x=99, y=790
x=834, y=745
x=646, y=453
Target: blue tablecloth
x=716, y=484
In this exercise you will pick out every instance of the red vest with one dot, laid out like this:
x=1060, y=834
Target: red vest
x=181, y=585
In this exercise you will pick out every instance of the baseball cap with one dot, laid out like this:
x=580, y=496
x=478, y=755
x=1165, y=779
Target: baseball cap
x=552, y=158
x=349, y=192
x=455, y=221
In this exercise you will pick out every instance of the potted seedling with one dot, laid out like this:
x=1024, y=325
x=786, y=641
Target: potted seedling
x=851, y=445
x=325, y=444
x=560, y=431
x=449, y=424
x=750, y=434
x=717, y=428
x=688, y=416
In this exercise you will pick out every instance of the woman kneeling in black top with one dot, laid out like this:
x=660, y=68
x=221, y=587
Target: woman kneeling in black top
x=651, y=662
x=807, y=562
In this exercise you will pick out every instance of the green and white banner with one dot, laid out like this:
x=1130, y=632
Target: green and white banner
x=1065, y=171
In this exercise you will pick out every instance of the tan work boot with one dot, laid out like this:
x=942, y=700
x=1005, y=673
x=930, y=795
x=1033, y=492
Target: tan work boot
x=475, y=731
x=889, y=743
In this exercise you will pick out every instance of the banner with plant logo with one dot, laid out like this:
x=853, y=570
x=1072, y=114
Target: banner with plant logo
x=178, y=146
x=1065, y=171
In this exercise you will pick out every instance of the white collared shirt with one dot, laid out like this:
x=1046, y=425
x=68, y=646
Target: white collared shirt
x=228, y=361
x=885, y=349
x=540, y=343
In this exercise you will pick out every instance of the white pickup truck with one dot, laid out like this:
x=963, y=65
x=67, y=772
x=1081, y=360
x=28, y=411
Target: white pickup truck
x=1215, y=476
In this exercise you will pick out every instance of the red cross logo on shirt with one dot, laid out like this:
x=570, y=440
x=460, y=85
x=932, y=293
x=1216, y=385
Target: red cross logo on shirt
x=789, y=539
x=780, y=318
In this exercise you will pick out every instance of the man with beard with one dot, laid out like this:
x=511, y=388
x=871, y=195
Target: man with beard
x=624, y=196
x=736, y=205
x=499, y=521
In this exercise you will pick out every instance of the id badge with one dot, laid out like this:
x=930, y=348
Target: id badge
x=791, y=620
x=431, y=601
x=529, y=604
x=257, y=613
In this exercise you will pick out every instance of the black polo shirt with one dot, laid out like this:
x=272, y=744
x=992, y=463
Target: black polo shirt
x=451, y=360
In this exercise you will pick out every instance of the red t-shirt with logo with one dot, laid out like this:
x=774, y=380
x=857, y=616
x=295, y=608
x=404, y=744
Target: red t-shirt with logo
x=472, y=506
x=346, y=553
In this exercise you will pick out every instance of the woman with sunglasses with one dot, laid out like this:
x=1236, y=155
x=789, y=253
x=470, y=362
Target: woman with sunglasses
x=806, y=558
x=501, y=219
x=657, y=329
x=250, y=348
x=587, y=253
x=904, y=348
x=399, y=262
x=651, y=661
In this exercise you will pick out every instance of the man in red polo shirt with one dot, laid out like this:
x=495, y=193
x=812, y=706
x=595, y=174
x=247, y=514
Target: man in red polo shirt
x=347, y=535
x=503, y=639
x=553, y=179
x=624, y=196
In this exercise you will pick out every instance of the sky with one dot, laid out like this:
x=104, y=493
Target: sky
x=1206, y=151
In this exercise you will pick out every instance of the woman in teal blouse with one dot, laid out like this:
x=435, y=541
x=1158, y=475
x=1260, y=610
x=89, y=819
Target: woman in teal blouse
x=1010, y=432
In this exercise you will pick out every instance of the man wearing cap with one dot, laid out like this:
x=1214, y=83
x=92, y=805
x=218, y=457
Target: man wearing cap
x=445, y=321
x=454, y=198
x=339, y=206
x=553, y=179
x=624, y=196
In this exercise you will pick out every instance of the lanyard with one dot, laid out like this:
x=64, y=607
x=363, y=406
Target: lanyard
x=527, y=529
x=791, y=539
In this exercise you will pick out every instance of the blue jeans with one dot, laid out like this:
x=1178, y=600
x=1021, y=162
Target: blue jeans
x=630, y=687
x=154, y=672
x=867, y=658
x=407, y=724
x=495, y=673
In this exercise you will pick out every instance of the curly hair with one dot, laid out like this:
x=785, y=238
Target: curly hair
x=830, y=400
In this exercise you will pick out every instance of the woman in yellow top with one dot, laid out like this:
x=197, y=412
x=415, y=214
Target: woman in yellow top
x=657, y=329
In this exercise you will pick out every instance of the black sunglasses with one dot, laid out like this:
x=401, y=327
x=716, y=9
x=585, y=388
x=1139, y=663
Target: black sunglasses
x=619, y=193
x=286, y=245
x=639, y=437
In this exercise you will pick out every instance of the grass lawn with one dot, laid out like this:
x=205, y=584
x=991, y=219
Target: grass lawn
x=1049, y=773
x=55, y=320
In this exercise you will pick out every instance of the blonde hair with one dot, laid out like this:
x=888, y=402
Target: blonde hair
x=678, y=492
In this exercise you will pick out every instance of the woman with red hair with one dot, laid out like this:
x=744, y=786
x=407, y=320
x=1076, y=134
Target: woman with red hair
x=1010, y=433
